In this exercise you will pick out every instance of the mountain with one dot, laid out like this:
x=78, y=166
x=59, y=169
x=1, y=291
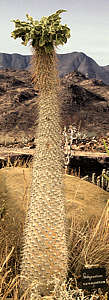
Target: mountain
x=78, y=61
x=75, y=61
x=14, y=61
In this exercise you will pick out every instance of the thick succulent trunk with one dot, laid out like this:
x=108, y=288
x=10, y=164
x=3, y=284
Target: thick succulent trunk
x=45, y=252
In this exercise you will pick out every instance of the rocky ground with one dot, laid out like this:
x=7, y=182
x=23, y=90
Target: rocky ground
x=87, y=103
x=84, y=103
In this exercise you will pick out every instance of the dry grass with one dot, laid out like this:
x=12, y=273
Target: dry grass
x=19, y=162
x=88, y=243
x=8, y=278
x=97, y=249
x=10, y=284
x=9, y=289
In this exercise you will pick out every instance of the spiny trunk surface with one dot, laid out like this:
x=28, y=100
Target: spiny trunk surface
x=45, y=251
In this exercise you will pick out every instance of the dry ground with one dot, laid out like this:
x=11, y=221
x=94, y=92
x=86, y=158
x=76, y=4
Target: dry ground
x=81, y=197
x=83, y=102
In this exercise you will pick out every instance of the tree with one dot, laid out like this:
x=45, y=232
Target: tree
x=44, y=252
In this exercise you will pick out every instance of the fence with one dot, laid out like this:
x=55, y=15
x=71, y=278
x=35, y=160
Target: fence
x=72, y=136
x=100, y=180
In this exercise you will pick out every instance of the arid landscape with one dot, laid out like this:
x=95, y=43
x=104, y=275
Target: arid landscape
x=54, y=150
x=85, y=104
x=84, y=205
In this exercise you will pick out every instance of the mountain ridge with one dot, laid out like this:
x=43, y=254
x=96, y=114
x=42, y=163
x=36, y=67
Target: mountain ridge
x=67, y=63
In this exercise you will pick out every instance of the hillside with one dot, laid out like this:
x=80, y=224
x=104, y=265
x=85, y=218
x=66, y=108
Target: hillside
x=84, y=103
x=75, y=61
x=78, y=61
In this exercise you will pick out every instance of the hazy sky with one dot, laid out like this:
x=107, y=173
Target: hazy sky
x=87, y=19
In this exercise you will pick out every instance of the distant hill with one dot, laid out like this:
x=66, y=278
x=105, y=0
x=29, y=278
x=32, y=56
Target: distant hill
x=75, y=61
x=14, y=61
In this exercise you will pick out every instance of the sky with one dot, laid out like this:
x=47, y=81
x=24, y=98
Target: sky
x=88, y=21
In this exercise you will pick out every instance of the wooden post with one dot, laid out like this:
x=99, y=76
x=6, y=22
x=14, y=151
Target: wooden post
x=103, y=179
x=66, y=170
x=107, y=188
x=98, y=181
x=72, y=171
x=79, y=172
x=93, y=178
x=76, y=172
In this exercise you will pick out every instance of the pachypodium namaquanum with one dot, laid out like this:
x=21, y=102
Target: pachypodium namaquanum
x=44, y=253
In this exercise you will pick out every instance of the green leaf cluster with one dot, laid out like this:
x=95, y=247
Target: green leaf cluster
x=46, y=33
